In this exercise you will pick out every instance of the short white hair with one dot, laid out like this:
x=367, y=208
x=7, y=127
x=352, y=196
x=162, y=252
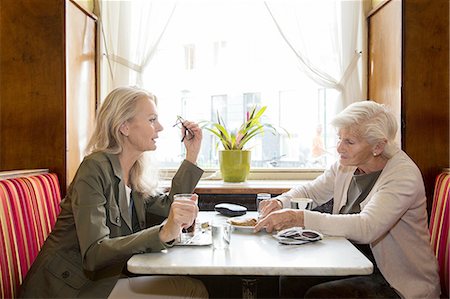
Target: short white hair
x=372, y=121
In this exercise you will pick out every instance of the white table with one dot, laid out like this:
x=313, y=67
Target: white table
x=255, y=254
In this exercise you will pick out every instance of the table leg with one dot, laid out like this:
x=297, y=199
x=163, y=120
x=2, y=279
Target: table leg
x=249, y=288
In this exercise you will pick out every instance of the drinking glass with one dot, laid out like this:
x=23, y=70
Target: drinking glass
x=188, y=196
x=260, y=197
x=301, y=203
x=221, y=234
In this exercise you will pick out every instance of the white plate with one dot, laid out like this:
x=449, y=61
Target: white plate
x=241, y=227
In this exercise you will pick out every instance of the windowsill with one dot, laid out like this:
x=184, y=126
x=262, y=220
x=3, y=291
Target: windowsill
x=248, y=187
x=264, y=174
x=272, y=180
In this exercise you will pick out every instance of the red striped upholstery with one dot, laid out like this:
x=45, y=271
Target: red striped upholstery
x=29, y=207
x=439, y=223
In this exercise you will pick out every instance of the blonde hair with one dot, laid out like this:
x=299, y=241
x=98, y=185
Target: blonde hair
x=118, y=107
x=372, y=121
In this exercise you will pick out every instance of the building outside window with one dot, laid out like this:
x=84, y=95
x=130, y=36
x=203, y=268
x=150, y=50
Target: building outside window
x=189, y=56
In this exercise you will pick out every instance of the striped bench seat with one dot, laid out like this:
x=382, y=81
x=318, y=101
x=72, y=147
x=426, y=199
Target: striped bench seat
x=29, y=206
x=439, y=227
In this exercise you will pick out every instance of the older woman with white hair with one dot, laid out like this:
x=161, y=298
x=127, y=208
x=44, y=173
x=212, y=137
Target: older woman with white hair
x=113, y=209
x=379, y=204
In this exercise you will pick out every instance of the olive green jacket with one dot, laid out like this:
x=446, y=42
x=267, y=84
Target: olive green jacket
x=92, y=239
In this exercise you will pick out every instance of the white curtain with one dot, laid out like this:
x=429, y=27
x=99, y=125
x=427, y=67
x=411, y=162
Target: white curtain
x=131, y=32
x=324, y=38
x=324, y=35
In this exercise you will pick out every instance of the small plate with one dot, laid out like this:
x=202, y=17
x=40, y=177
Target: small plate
x=241, y=227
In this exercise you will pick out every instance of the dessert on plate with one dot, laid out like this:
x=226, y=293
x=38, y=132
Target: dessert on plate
x=243, y=222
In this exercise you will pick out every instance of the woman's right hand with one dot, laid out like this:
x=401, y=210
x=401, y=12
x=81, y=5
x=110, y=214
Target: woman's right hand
x=182, y=214
x=193, y=141
x=281, y=219
x=268, y=206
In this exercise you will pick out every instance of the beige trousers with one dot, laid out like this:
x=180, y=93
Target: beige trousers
x=158, y=287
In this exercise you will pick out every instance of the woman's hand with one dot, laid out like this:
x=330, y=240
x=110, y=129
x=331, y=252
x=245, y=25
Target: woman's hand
x=192, y=141
x=280, y=219
x=182, y=214
x=269, y=205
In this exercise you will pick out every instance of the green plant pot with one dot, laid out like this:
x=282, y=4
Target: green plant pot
x=234, y=165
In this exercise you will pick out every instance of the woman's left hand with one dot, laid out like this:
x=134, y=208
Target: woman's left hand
x=280, y=219
x=192, y=141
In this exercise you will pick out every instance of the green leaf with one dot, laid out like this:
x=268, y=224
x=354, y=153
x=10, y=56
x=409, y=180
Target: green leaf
x=249, y=129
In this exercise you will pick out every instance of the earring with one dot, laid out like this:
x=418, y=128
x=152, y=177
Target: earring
x=374, y=154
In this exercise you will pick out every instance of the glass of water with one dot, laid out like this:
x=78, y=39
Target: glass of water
x=260, y=197
x=221, y=234
x=185, y=196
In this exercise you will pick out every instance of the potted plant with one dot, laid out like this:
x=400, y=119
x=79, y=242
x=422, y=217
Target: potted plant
x=233, y=158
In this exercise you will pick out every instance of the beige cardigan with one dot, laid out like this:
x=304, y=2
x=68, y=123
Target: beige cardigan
x=393, y=220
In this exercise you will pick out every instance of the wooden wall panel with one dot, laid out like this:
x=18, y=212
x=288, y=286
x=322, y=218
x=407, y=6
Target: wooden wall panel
x=425, y=84
x=423, y=80
x=32, y=85
x=385, y=57
x=40, y=86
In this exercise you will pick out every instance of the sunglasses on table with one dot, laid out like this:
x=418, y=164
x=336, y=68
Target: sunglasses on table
x=188, y=133
x=297, y=236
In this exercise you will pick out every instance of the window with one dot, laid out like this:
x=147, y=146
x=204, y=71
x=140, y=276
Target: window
x=229, y=56
x=189, y=56
x=219, y=53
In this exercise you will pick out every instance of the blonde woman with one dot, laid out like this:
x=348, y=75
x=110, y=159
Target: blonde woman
x=110, y=207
